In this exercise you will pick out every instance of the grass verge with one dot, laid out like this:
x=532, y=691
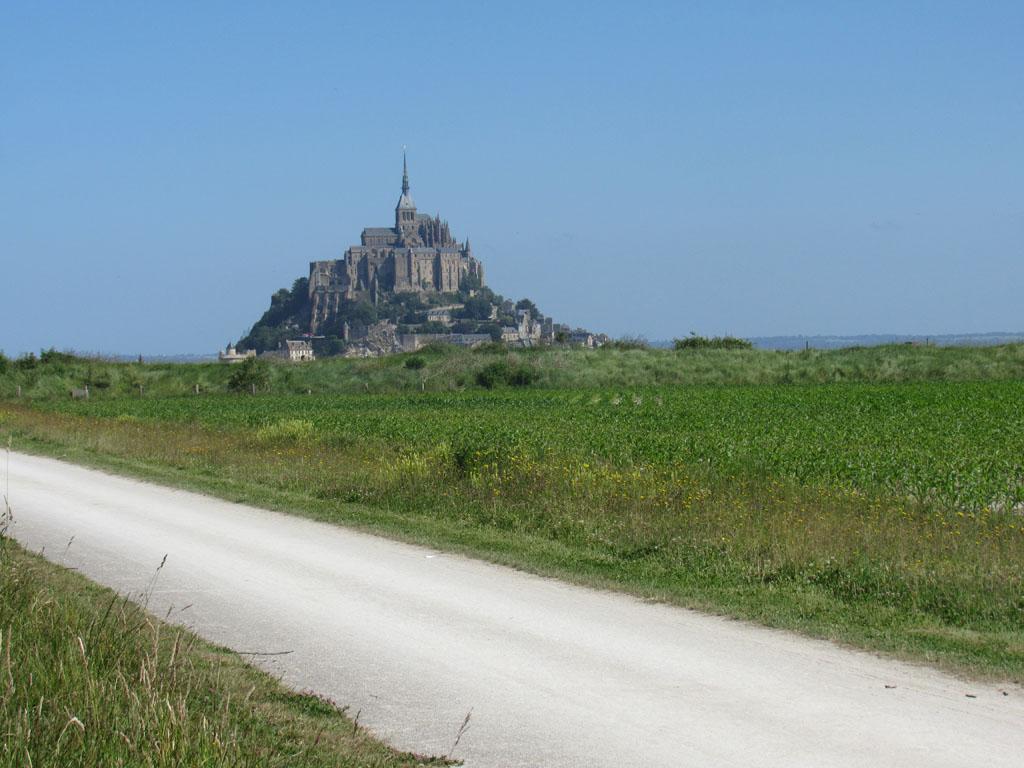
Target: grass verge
x=88, y=678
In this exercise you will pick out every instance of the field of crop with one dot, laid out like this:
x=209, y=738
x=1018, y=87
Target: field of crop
x=959, y=446
x=884, y=515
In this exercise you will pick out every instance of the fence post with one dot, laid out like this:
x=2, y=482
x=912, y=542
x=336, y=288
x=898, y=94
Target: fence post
x=86, y=391
x=254, y=388
x=140, y=390
x=19, y=390
x=195, y=389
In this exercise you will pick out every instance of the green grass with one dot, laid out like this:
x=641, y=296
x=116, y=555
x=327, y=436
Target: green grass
x=449, y=368
x=955, y=445
x=876, y=515
x=88, y=678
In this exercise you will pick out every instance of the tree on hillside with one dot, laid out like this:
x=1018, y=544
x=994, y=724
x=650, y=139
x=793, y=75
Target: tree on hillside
x=288, y=313
x=329, y=346
x=467, y=284
x=476, y=308
x=360, y=312
x=527, y=304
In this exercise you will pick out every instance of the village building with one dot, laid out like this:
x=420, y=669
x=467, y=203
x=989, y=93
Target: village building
x=294, y=351
x=443, y=314
x=582, y=339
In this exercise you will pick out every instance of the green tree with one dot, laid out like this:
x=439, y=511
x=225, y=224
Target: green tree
x=469, y=283
x=329, y=346
x=289, y=309
x=249, y=374
x=51, y=356
x=361, y=312
x=527, y=304
x=494, y=329
x=476, y=308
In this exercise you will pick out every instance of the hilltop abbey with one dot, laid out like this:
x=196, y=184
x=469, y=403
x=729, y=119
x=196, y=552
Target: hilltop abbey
x=417, y=255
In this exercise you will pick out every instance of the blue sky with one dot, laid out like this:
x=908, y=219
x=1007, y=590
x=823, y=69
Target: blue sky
x=637, y=168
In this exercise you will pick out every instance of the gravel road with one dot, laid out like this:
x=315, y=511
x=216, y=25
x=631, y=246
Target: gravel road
x=553, y=674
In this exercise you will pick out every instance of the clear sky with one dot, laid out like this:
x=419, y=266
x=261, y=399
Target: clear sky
x=643, y=168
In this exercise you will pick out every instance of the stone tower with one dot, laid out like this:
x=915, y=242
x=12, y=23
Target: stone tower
x=405, y=212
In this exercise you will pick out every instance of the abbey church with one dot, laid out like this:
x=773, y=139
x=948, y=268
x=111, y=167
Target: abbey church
x=417, y=255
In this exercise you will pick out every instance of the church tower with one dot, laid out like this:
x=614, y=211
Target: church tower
x=405, y=211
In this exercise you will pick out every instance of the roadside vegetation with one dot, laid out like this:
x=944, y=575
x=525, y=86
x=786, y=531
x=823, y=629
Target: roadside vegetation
x=886, y=515
x=88, y=678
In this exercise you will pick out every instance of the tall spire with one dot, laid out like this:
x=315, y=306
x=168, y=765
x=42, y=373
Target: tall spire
x=405, y=174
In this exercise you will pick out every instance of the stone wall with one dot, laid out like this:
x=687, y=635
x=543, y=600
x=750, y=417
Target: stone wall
x=369, y=274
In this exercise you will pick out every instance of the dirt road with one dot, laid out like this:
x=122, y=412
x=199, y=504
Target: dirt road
x=554, y=675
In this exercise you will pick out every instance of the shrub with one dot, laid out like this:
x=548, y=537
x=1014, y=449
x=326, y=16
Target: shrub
x=501, y=372
x=492, y=374
x=415, y=363
x=627, y=342
x=490, y=348
x=51, y=356
x=252, y=372
x=26, y=362
x=438, y=348
x=95, y=379
x=693, y=341
x=4, y=363
x=522, y=376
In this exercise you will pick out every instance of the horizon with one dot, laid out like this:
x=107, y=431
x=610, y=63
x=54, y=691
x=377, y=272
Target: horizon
x=819, y=342
x=760, y=172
